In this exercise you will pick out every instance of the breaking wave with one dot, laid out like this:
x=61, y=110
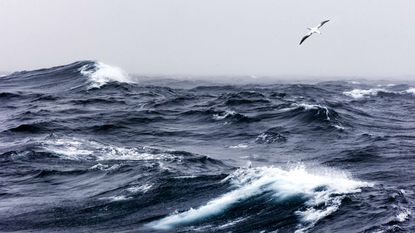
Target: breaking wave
x=362, y=93
x=322, y=194
x=101, y=74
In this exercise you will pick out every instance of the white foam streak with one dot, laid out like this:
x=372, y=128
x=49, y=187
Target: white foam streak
x=79, y=149
x=102, y=73
x=142, y=188
x=231, y=223
x=317, y=188
x=116, y=198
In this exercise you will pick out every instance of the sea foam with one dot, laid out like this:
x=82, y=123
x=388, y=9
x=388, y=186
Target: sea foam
x=100, y=74
x=82, y=149
x=361, y=93
x=284, y=184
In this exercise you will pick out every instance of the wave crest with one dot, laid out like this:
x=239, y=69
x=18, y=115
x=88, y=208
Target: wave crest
x=101, y=74
x=323, y=190
x=362, y=93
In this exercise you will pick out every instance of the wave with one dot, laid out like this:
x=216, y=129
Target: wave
x=7, y=95
x=321, y=110
x=35, y=127
x=403, y=215
x=243, y=98
x=101, y=74
x=362, y=93
x=48, y=80
x=272, y=135
x=224, y=115
x=322, y=194
x=233, y=117
x=410, y=90
x=302, y=112
x=239, y=146
x=78, y=149
x=311, y=113
x=81, y=149
x=81, y=74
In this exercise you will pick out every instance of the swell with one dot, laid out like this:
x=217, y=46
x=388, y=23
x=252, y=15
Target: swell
x=36, y=127
x=77, y=76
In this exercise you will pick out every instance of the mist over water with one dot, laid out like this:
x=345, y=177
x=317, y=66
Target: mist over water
x=87, y=147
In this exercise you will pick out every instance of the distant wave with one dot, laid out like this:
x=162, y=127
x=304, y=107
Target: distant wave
x=82, y=149
x=81, y=74
x=226, y=114
x=361, y=93
x=320, y=109
x=101, y=74
x=272, y=135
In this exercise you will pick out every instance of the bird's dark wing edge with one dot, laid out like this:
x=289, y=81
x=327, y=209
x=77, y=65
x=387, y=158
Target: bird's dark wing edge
x=304, y=38
x=322, y=23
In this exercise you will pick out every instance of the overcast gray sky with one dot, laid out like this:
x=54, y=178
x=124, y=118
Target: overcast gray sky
x=212, y=37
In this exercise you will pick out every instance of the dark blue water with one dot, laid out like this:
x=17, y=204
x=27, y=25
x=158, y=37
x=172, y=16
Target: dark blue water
x=86, y=148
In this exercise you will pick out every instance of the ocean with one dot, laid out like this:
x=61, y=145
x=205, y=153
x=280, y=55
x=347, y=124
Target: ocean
x=86, y=147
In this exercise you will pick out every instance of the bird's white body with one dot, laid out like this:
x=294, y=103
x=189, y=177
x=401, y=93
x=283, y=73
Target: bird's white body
x=314, y=30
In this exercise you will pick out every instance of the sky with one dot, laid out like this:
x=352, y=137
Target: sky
x=212, y=37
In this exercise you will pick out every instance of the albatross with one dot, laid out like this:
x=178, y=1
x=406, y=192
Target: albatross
x=313, y=30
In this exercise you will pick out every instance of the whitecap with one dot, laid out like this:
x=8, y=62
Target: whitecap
x=403, y=215
x=81, y=149
x=307, y=107
x=101, y=73
x=68, y=148
x=105, y=167
x=360, y=93
x=339, y=127
x=239, y=146
x=283, y=184
x=223, y=115
x=410, y=90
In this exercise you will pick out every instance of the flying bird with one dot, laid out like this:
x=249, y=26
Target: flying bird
x=313, y=30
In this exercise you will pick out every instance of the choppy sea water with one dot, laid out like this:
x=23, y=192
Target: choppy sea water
x=86, y=148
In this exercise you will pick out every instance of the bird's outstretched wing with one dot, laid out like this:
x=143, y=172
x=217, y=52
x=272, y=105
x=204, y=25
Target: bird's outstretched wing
x=322, y=23
x=304, y=38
